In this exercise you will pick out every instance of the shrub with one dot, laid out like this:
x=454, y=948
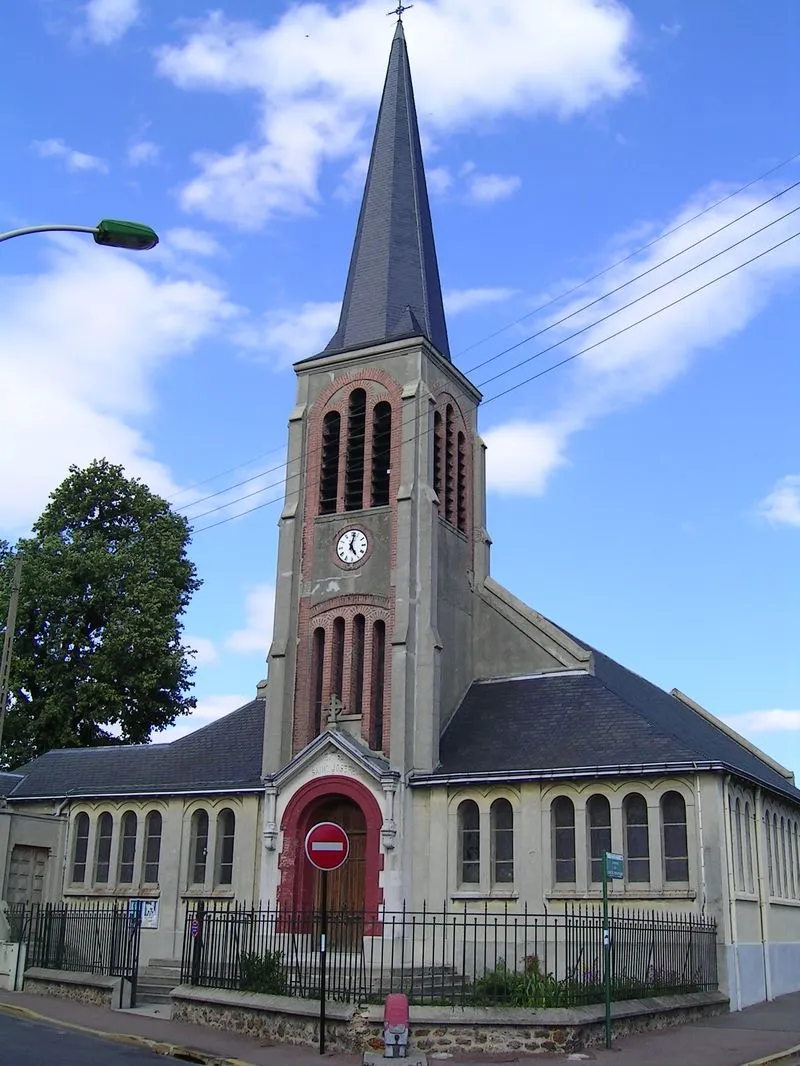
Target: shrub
x=263, y=973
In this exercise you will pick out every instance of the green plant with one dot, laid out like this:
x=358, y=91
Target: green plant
x=263, y=973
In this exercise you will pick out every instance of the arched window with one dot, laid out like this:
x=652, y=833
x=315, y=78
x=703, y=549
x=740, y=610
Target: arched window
x=738, y=838
x=449, y=466
x=776, y=854
x=337, y=658
x=599, y=834
x=226, y=832
x=676, y=845
x=127, y=851
x=501, y=818
x=102, y=860
x=748, y=847
x=469, y=843
x=381, y=453
x=637, y=845
x=80, y=848
x=152, y=847
x=770, y=854
x=461, y=486
x=357, y=665
x=317, y=677
x=784, y=858
x=198, y=847
x=329, y=476
x=378, y=684
x=438, y=447
x=356, y=433
x=562, y=815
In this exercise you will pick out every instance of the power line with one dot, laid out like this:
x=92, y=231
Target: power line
x=555, y=366
x=523, y=318
x=538, y=333
x=221, y=473
x=619, y=262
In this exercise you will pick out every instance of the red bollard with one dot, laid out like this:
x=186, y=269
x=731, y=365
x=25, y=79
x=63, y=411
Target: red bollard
x=395, y=1026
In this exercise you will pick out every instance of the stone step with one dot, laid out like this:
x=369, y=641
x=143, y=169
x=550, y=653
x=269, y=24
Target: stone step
x=165, y=962
x=160, y=971
x=145, y=998
x=157, y=983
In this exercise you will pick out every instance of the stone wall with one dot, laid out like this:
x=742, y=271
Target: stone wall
x=111, y=992
x=487, y=1030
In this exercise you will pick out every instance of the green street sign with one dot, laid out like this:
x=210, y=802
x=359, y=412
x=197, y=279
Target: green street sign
x=615, y=867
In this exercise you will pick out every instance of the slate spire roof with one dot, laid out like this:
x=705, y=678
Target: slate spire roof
x=393, y=288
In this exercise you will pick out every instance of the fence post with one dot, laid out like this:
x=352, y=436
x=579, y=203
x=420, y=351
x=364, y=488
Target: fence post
x=197, y=942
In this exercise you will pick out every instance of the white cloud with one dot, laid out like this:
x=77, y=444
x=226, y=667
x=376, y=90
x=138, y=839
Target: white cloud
x=520, y=456
x=439, y=180
x=108, y=20
x=54, y=147
x=78, y=368
x=205, y=651
x=256, y=636
x=458, y=300
x=192, y=241
x=781, y=507
x=316, y=104
x=487, y=188
x=292, y=334
x=653, y=354
x=143, y=152
x=776, y=721
x=208, y=710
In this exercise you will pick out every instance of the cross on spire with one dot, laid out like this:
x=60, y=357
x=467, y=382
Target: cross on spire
x=401, y=7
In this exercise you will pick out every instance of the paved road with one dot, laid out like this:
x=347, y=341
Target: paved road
x=28, y=1043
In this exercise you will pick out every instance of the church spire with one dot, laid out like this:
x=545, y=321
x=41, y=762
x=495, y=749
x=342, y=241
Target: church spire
x=393, y=288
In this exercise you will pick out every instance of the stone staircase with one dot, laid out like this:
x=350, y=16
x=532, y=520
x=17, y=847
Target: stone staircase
x=156, y=981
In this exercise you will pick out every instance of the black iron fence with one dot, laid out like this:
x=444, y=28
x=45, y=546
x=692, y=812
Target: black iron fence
x=98, y=937
x=469, y=956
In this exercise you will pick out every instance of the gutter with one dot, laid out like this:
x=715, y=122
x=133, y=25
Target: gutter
x=141, y=794
x=424, y=780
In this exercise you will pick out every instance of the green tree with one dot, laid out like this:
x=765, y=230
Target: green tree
x=98, y=656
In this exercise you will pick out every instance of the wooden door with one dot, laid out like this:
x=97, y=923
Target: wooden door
x=26, y=874
x=345, y=885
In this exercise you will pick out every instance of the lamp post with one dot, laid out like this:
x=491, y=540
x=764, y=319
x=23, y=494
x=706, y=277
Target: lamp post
x=110, y=232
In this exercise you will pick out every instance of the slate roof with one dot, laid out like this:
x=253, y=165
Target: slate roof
x=222, y=756
x=611, y=719
x=8, y=781
x=393, y=289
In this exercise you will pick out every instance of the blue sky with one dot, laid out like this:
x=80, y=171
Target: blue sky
x=656, y=511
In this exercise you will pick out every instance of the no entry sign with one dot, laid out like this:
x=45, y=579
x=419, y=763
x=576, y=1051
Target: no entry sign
x=327, y=846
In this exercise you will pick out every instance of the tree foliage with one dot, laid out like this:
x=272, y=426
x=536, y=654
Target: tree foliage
x=98, y=655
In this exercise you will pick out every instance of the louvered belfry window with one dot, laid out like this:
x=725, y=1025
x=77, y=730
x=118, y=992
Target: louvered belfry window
x=381, y=453
x=356, y=441
x=329, y=476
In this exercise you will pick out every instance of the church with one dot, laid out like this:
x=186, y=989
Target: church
x=475, y=752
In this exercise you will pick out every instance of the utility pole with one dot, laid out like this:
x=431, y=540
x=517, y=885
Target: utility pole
x=8, y=645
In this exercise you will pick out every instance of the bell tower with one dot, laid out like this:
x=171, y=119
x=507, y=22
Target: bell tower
x=382, y=529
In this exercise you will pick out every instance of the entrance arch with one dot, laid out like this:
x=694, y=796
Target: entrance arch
x=350, y=804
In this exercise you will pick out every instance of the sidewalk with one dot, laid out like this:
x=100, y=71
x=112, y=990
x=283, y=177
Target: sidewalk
x=730, y=1040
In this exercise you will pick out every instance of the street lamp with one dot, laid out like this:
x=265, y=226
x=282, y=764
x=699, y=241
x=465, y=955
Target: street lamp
x=110, y=232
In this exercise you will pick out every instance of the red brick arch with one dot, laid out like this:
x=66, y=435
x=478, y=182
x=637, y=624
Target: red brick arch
x=296, y=884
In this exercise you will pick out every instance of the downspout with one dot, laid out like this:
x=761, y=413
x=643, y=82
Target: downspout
x=763, y=891
x=59, y=811
x=703, y=890
x=731, y=889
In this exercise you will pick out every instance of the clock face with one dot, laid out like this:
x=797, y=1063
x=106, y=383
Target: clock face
x=351, y=546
